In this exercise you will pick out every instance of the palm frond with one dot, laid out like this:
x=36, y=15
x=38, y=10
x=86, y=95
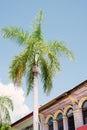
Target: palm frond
x=15, y=34
x=51, y=56
x=7, y=102
x=61, y=49
x=46, y=75
x=54, y=62
x=30, y=78
x=5, y=115
x=36, y=35
x=18, y=67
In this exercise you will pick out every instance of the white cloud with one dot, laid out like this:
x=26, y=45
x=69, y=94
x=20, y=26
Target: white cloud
x=17, y=96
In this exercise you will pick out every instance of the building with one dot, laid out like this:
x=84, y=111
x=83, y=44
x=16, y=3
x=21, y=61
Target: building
x=66, y=112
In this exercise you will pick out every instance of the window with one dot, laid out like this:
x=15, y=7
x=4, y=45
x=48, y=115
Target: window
x=84, y=111
x=60, y=121
x=70, y=118
x=50, y=123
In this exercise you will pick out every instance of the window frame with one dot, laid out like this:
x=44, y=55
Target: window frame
x=84, y=112
x=60, y=121
x=70, y=119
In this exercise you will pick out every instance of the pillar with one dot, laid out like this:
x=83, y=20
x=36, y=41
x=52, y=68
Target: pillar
x=42, y=124
x=45, y=126
x=78, y=118
x=65, y=123
x=55, y=127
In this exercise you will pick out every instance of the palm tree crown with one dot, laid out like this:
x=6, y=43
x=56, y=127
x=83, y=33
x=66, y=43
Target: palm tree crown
x=37, y=51
x=5, y=105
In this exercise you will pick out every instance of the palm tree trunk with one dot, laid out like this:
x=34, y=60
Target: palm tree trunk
x=36, y=71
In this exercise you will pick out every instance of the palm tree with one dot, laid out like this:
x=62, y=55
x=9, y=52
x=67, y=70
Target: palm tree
x=38, y=55
x=5, y=105
x=6, y=127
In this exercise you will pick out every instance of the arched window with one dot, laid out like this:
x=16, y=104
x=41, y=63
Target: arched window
x=50, y=123
x=84, y=111
x=70, y=118
x=60, y=121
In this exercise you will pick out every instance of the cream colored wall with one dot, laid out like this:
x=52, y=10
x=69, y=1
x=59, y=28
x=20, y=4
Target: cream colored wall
x=23, y=124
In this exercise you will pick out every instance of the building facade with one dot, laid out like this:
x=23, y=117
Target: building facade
x=66, y=112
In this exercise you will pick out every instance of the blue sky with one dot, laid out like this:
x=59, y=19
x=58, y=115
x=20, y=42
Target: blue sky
x=62, y=20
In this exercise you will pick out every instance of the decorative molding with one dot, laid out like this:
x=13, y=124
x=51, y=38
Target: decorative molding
x=66, y=109
x=57, y=112
x=81, y=101
x=47, y=118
